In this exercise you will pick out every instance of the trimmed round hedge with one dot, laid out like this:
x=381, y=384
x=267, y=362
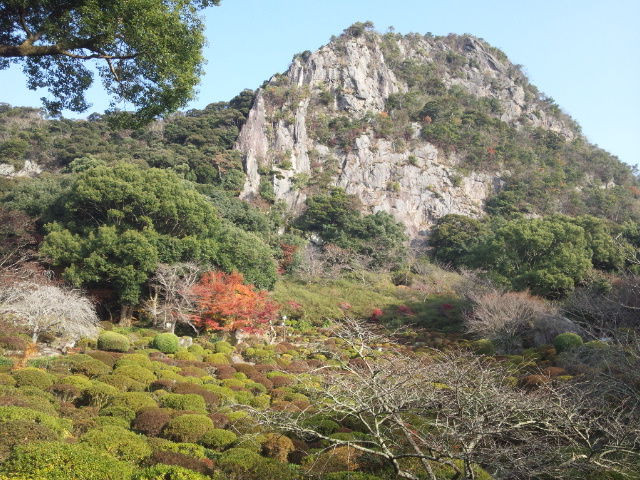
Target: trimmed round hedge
x=218, y=439
x=113, y=342
x=33, y=377
x=566, y=341
x=165, y=342
x=119, y=442
x=187, y=428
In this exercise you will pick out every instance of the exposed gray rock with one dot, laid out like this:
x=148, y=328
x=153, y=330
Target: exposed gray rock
x=413, y=180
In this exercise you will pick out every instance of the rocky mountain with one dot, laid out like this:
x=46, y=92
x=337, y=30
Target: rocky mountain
x=418, y=126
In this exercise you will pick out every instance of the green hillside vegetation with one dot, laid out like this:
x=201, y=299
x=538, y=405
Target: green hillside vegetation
x=240, y=340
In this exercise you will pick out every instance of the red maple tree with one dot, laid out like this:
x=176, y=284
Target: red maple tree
x=224, y=302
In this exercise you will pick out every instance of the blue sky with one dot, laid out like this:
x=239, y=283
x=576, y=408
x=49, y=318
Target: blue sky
x=583, y=53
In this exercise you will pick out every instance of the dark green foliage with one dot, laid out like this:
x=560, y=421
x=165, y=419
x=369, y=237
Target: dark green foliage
x=113, y=342
x=119, y=442
x=566, y=342
x=51, y=461
x=246, y=253
x=165, y=342
x=187, y=428
x=548, y=256
x=336, y=218
x=453, y=236
x=119, y=222
x=156, y=71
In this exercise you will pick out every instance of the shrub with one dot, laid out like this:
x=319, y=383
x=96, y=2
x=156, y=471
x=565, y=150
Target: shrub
x=566, y=341
x=191, y=449
x=57, y=425
x=186, y=356
x=166, y=385
x=196, y=349
x=218, y=439
x=6, y=379
x=51, y=461
x=165, y=342
x=123, y=383
x=244, y=463
x=533, y=381
x=187, y=428
x=33, y=377
x=151, y=421
x=98, y=395
x=79, y=381
x=220, y=420
x=133, y=400
x=484, y=346
x=104, y=357
x=168, y=472
x=189, y=401
x=120, y=412
x=136, y=372
x=17, y=432
x=135, y=359
x=119, y=442
x=113, y=342
x=109, y=422
x=64, y=393
x=181, y=460
x=222, y=347
x=322, y=425
x=349, y=476
x=91, y=368
x=277, y=446
x=219, y=358
x=192, y=371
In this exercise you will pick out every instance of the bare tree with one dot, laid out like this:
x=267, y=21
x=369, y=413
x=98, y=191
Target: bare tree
x=605, y=313
x=422, y=412
x=170, y=300
x=49, y=308
x=507, y=317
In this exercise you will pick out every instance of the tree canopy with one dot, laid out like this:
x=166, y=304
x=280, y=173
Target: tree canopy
x=148, y=53
x=120, y=221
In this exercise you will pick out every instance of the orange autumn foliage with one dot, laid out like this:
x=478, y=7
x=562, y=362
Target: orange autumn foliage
x=225, y=303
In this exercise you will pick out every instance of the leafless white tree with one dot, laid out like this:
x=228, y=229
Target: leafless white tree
x=170, y=302
x=49, y=308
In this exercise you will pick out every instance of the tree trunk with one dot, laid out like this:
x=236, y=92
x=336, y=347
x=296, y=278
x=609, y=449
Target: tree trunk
x=126, y=312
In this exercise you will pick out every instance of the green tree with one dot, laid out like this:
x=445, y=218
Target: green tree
x=453, y=236
x=119, y=222
x=547, y=256
x=148, y=52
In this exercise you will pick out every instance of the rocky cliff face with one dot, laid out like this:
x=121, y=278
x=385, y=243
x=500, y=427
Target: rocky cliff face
x=318, y=125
